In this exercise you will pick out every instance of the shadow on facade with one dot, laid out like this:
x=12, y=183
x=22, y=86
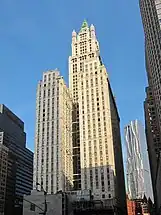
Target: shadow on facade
x=100, y=180
x=103, y=184
x=76, y=147
x=102, y=197
x=120, y=191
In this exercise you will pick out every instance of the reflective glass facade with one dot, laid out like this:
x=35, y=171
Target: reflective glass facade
x=138, y=173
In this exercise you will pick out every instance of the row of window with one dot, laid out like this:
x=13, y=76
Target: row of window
x=81, y=64
x=94, y=177
x=49, y=77
x=88, y=83
x=91, y=83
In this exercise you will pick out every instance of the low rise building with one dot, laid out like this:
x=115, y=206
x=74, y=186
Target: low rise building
x=131, y=207
x=66, y=203
x=56, y=204
x=140, y=206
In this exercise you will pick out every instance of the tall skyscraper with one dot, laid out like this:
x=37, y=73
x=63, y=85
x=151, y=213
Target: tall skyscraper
x=53, y=141
x=16, y=163
x=97, y=152
x=151, y=18
x=138, y=172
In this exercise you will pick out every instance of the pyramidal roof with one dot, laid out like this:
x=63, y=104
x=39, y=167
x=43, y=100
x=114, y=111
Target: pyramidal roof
x=84, y=24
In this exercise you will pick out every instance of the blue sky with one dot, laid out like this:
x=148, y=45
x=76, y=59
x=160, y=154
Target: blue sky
x=35, y=35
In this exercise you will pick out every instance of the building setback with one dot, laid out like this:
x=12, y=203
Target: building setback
x=151, y=18
x=97, y=153
x=17, y=165
x=138, y=171
x=53, y=168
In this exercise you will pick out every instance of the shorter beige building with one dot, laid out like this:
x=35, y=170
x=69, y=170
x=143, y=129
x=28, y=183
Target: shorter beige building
x=53, y=168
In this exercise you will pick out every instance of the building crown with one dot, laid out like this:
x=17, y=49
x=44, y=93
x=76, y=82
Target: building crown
x=84, y=25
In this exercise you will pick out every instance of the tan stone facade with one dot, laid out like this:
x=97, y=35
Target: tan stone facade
x=53, y=141
x=101, y=164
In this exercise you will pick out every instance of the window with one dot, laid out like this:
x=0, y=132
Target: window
x=44, y=77
x=103, y=196
x=32, y=207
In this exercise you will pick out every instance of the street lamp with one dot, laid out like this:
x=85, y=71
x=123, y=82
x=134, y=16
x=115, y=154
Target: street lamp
x=45, y=193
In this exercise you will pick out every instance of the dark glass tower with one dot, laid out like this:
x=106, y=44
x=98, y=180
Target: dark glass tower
x=19, y=163
x=151, y=18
